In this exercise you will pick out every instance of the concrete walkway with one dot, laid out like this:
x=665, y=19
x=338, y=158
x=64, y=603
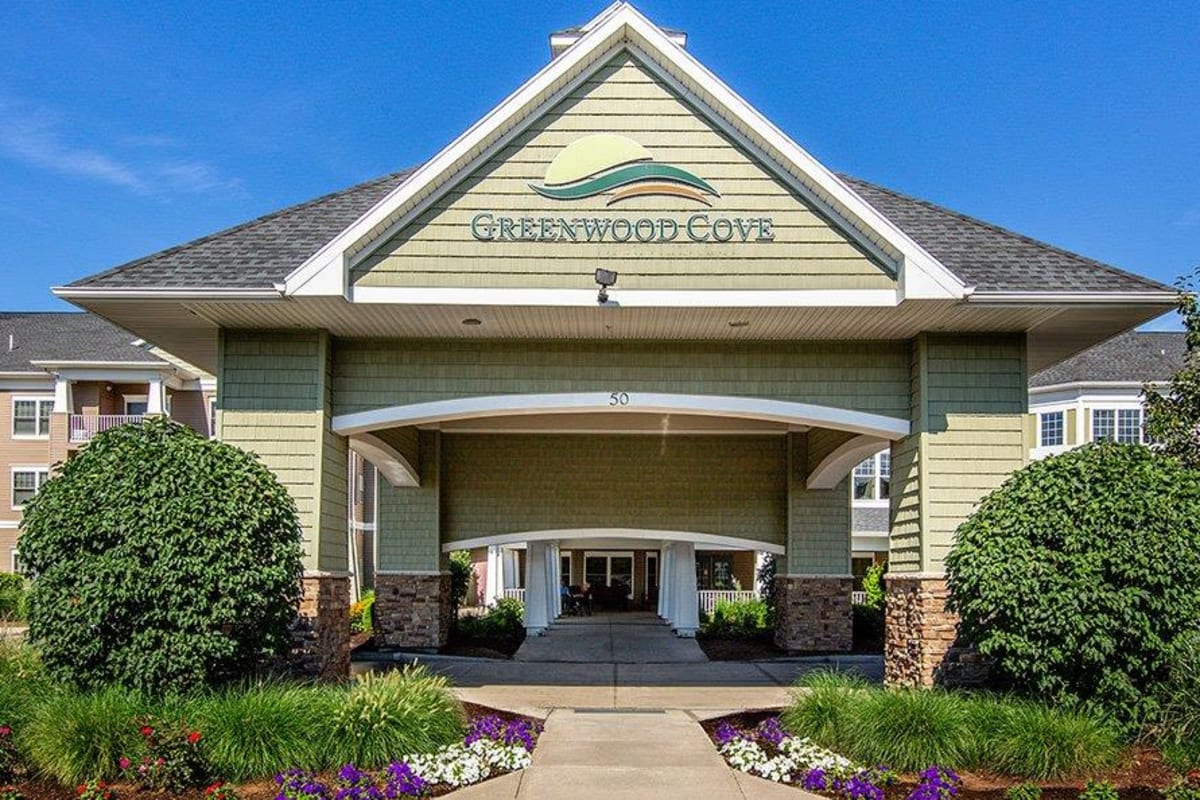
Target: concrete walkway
x=589, y=753
x=628, y=638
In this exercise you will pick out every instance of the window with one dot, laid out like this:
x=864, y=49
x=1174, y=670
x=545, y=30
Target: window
x=1052, y=428
x=1121, y=425
x=25, y=483
x=714, y=571
x=873, y=477
x=31, y=416
x=564, y=566
x=136, y=405
x=212, y=417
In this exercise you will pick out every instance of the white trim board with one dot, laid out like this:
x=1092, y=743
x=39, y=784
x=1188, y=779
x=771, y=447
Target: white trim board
x=639, y=534
x=877, y=425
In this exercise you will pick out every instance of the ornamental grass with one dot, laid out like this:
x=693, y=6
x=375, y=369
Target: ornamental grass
x=909, y=729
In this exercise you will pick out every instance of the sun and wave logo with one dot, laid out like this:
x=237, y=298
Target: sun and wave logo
x=607, y=162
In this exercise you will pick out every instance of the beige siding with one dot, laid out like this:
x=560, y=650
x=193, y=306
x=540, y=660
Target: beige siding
x=38, y=452
x=437, y=249
x=866, y=376
x=8, y=544
x=726, y=485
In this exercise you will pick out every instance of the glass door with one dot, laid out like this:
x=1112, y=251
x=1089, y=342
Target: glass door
x=620, y=573
x=609, y=571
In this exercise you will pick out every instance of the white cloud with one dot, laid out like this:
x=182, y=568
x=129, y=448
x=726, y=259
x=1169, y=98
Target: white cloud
x=39, y=139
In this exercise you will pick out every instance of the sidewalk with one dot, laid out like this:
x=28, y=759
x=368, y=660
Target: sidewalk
x=587, y=754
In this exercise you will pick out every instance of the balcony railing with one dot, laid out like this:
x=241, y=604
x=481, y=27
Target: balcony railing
x=710, y=597
x=86, y=426
x=515, y=594
x=858, y=598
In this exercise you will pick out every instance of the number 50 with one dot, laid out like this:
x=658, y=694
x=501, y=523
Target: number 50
x=618, y=399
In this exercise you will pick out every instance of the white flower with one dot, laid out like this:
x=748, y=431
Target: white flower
x=743, y=754
x=796, y=756
x=461, y=764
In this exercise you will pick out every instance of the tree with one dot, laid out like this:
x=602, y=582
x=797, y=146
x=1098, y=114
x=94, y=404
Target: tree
x=1173, y=416
x=162, y=561
x=1077, y=576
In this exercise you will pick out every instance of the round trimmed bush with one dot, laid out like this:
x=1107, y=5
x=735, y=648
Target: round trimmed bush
x=1078, y=575
x=163, y=561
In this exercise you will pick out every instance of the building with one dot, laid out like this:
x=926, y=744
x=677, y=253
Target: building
x=64, y=377
x=625, y=312
x=1096, y=394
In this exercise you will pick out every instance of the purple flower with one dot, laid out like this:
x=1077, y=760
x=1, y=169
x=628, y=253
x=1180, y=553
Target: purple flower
x=815, y=780
x=769, y=730
x=402, y=781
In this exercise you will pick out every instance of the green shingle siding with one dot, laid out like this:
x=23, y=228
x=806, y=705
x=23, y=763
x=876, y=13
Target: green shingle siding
x=723, y=485
x=818, y=540
x=408, y=519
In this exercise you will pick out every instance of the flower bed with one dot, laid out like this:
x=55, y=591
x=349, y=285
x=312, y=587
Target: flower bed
x=495, y=743
x=757, y=743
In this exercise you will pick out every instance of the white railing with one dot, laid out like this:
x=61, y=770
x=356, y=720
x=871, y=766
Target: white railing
x=710, y=597
x=858, y=598
x=515, y=594
x=85, y=426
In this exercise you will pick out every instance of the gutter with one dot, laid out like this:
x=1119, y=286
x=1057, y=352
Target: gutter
x=214, y=293
x=1073, y=298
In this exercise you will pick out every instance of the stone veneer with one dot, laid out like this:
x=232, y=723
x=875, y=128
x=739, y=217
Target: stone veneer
x=412, y=611
x=921, y=637
x=322, y=630
x=813, y=613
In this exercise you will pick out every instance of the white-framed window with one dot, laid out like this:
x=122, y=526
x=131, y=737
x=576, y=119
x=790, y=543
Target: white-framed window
x=611, y=569
x=1050, y=427
x=31, y=417
x=1118, y=424
x=873, y=477
x=565, y=561
x=212, y=417
x=136, y=404
x=14, y=561
x=26, y=481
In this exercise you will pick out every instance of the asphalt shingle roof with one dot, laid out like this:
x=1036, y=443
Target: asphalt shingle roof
x=63, y=336
x=264, y=251
x=995, y=259
x=1133, y=356
x=255, y=254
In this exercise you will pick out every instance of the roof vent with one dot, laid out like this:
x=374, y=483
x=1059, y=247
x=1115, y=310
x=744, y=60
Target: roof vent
x=561, y=40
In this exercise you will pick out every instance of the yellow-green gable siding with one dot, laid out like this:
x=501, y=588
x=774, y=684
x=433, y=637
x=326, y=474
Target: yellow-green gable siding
x=626, y=98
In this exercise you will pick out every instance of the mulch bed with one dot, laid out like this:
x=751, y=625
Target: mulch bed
x=1142, y=776
x=255, y=790
x=761, y=647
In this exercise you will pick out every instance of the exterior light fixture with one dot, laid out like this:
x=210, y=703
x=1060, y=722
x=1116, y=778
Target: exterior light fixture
x=739, y=323
x=606, y=278
x=472, y=321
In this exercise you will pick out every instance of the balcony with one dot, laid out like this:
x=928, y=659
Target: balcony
x=86, y=426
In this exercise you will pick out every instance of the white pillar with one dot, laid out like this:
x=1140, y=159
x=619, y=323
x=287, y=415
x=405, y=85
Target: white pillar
x=666, y=588
x=494, y=578
x=760, y=558
x=155, y=402
x=555, y=569
x=686, y=619
x=537, y=607
x=510, y=566
x=62, y=395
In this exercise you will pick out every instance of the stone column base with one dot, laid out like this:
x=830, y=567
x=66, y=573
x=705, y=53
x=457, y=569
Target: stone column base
x=813, y=613
x=322, y=630
x=412, y=612
x=921, y=637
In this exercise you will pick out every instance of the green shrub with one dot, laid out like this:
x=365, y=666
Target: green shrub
x=1023, y=791
x=1099, y=790
x=738, y=618
x=254, y=731
x=1184, y=788
x=383, y=716
x=1075, y=576
x=164, y=560
x=13, y=597
x=504, y=620
x=461, y=572
x=80, y=736
x=910, y=729
x=876, y=596
x=1179, y=697
x=362, y=613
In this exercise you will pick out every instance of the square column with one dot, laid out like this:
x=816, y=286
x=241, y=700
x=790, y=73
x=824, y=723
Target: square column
x=813, y=613
x=493, y=579
x=685, y=616
x=537, y=586
x=666, y=583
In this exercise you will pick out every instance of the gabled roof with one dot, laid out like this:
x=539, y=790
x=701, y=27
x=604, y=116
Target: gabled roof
x=65, y=336
x=1133, y=357
x=265, y=251
x=255, y=254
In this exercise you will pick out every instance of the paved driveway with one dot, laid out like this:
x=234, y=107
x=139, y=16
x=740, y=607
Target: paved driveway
x=628, y=638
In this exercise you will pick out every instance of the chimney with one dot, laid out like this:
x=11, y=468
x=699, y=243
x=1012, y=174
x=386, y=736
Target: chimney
x=561, y=40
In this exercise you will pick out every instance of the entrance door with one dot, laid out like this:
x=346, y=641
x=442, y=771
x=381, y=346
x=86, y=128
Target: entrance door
x=652, y=579
x=610, y=571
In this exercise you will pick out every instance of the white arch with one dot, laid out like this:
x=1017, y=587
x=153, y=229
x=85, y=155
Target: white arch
x=507, y=405
x=641, y=534
x=836, y=465
x=390, y=462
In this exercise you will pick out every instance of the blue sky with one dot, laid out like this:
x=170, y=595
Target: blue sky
x=129, y=127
